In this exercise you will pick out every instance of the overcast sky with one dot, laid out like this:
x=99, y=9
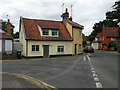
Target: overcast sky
x=85, y=12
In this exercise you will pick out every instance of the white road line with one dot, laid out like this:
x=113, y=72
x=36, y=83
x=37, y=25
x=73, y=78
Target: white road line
x=88, y=57
x=98, y=85
x=96, y=79
x=95, y=76
x=84, y=58
x=93, y=72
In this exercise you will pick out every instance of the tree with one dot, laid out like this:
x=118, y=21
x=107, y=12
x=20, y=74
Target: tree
x=115, y=14
x=112, y=45
x=4, y=27
x=108, y=22
x=16, y=35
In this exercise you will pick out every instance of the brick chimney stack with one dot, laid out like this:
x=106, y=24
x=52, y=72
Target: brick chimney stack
x=65, y=16
x=9, y=27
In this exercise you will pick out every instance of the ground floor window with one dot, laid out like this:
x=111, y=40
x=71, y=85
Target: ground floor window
x=60, y=49
x=35, y=48
x=79, y=47
x=105, y=46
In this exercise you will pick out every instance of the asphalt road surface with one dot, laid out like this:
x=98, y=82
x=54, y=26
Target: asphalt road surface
x=71, y=71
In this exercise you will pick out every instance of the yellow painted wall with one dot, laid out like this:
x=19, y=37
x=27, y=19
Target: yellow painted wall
x=22, y=40
x=77, y=39
x=69, y=27
x=52, y=48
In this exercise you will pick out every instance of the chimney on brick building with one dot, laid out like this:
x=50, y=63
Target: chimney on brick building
x=8, y=27
x=65, y=16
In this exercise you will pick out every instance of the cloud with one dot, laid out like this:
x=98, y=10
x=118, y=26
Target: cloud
x=85, y=12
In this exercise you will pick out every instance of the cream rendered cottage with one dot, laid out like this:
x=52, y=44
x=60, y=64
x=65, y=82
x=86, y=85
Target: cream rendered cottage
x=47, y=38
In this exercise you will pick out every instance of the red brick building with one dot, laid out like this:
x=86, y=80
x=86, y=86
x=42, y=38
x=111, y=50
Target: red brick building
x=109, y=34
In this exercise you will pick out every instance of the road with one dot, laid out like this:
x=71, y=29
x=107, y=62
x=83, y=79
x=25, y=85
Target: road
x=70, y=71
x=106, y=66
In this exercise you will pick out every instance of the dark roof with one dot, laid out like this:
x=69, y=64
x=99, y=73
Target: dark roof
x=5, y=36
x=32, y=32
x=111, y=31
x=74, y=24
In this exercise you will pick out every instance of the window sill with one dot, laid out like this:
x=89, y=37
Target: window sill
x=60, y=52
x=35, y=51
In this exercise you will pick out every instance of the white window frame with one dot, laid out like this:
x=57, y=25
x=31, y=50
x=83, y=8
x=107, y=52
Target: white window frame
x=56, y=32
x=103, y=38
x=60, y=46
x=35, y=48
x=45, y=30
x=112, y=39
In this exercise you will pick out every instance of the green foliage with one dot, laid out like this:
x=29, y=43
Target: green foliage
x=84, y=43
x=112, y=44
x=16, y=35
x=4, y=27
x=109, y=22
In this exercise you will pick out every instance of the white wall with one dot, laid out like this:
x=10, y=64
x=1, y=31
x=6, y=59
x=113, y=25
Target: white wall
x=52, y=47
x=8, y=45
x=95, y=45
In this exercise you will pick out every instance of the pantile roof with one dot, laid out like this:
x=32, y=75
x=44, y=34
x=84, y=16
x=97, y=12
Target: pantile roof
x=74, y=24
x=32, y=32
x=111, y=31
x=5, y=36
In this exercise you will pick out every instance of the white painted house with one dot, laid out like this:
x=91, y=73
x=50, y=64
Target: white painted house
x=6, y=40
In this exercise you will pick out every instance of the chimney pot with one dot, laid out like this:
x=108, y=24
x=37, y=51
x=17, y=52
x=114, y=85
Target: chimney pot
x=9, y=27
x=8, y=20
x=66, y=10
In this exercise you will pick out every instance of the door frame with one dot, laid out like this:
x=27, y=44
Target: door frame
x=44, y=51
x=75, y=49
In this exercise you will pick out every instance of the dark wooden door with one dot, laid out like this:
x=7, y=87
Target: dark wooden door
x=45, y=51
x=75, y=49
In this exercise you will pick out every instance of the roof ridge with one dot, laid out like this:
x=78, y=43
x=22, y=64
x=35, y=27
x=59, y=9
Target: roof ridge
x=40, y=20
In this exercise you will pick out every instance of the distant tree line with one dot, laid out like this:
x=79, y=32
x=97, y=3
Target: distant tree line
x=112, y=19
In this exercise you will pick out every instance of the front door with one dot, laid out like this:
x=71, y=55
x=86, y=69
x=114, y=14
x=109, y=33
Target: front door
x=75, y=49
x=45, y=51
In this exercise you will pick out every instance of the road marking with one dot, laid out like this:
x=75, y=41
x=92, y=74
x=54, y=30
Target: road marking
x=95, y=76
x=98, y=85
x=84, y=58
x=93, y=72
x=88, y=57
x=33, y=80
x=96, y=79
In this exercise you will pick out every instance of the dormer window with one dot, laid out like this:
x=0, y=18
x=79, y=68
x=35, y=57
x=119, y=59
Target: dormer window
x=50, y=32
x=45, y=32
x=55, y=33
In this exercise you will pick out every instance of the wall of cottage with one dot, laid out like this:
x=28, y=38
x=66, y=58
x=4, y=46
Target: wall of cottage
x=52, y=47
x=22, y=40
x=77, y=38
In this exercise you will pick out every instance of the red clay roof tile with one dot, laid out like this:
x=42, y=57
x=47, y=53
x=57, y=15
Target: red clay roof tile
x=5, y=36
x=32, y=32
x=111, y=31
